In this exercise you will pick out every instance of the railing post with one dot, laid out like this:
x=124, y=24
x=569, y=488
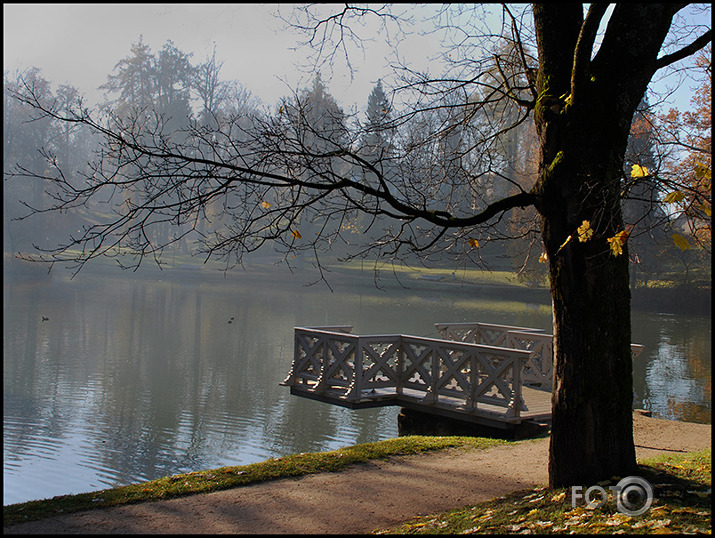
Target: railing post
x=516, y=401
x=436, y=370
x=324, y=364
x=400, y=365
x=355, y=389
x=431, y=396
x=470, y=403
x=290, y=380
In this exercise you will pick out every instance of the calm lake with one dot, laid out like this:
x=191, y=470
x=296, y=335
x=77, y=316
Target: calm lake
x=134, y=377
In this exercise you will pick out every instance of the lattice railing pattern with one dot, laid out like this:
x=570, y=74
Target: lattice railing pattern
x=489, y=334
x=380, y=364
x=322, y=359
x=354, y=367
x=538, y=370
x=470, y=372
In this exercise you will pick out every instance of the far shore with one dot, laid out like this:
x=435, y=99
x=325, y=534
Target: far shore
x=680, y=299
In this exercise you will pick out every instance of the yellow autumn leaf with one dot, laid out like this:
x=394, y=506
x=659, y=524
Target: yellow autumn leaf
x=585, y=232
x=680, y=242
x=617, y=241
x=473, y=243
x=617, y=519
x=705, y=209
x=265, y=205
x=558, y=498
x=577, y=511
x=639, y=171
x=543, y=258
x=686, y=510
x=564, y=243
x=296, y=234
x=674, y=197
x=703, y=172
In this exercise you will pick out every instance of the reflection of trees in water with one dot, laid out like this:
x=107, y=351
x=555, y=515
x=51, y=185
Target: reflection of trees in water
x=142, y=376
x=157, y=382
x=678, y=379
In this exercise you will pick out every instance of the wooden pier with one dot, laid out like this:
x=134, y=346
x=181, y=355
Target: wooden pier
x=493, y=375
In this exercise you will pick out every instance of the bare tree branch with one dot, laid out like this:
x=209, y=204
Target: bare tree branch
x=686, y=51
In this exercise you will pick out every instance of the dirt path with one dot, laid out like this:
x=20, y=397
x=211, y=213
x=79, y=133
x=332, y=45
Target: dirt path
x=363, y=498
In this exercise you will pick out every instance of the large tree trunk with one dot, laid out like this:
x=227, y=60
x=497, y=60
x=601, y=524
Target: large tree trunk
x=583, y=116
x=592, y=430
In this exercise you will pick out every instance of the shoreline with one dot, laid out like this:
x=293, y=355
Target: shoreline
x=689, y=300
x=636, y=413
x=362, y=494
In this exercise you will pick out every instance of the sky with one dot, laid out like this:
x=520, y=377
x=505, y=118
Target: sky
x=80, y=44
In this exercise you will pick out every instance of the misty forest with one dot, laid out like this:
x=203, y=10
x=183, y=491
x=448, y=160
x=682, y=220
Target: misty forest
x=540, y=147
x=449, y=150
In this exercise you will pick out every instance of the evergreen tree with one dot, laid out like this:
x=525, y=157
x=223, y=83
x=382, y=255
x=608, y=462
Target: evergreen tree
x=134, y=81
x=379, y=132
x=174, y=76
x=319, y=110
x=153, y=87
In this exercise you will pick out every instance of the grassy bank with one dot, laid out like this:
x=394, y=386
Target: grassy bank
x=682, y=485
x=682, y=505
x=230, y=477
x=407, y=275
x=658, y=295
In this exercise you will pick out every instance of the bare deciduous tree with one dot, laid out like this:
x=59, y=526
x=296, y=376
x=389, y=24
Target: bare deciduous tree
x=295, y=177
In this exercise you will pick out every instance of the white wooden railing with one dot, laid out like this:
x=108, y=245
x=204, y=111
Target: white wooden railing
x=430, y=371
x=538, y=370
x=479, y=333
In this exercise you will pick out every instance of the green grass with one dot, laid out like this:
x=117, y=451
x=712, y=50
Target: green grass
x=230, y=477
x=682, y=486
x=682, y=504
x=471, y=276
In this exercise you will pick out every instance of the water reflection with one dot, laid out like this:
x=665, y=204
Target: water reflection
x=135, y=378
x=678, y=375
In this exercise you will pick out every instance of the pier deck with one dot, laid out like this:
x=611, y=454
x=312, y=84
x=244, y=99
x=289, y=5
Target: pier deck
x=488, y=374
